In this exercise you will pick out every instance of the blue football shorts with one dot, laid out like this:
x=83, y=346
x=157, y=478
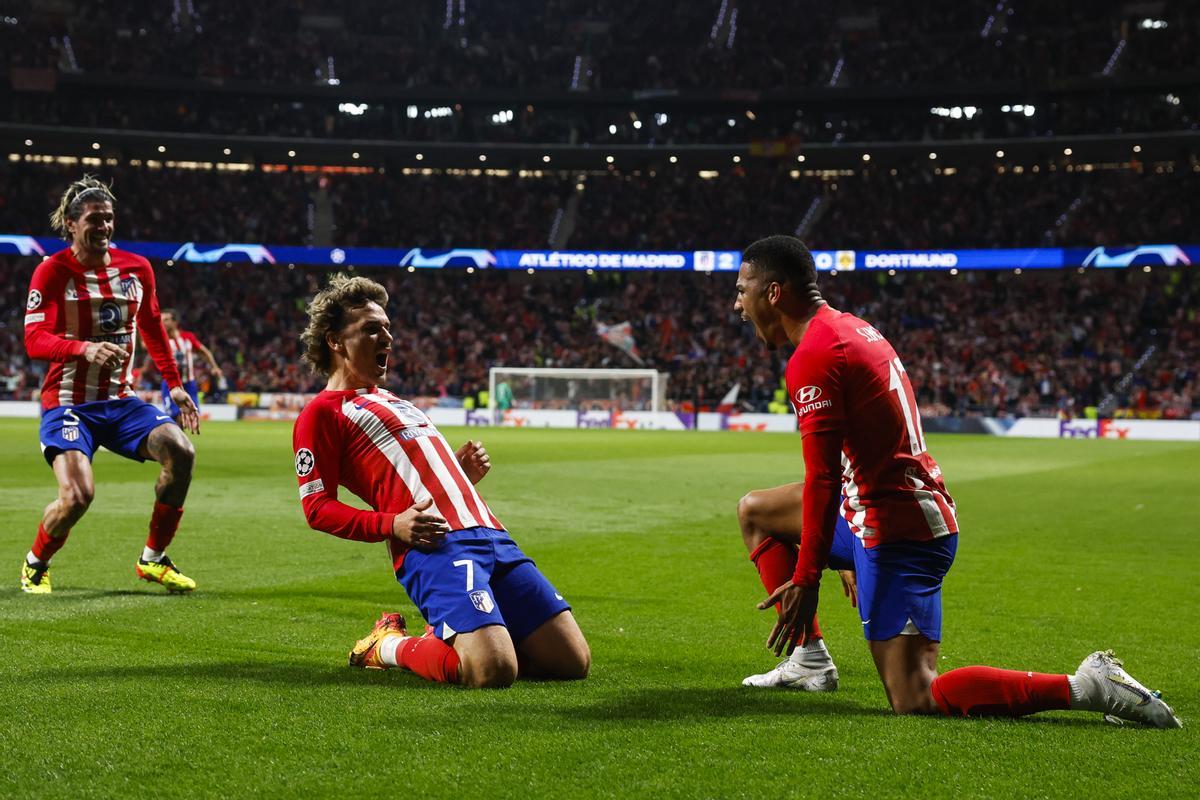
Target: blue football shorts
x=899, y=583
x=479, y=577
x=169, y=405
x=120, y=425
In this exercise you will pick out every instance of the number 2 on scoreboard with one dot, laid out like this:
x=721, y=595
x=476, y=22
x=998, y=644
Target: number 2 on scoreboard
x=908, y=406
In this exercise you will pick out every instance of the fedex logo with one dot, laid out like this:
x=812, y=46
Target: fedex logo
x=1091, y=429
x=514, y=420
x=746, y=426
x=620, y=420
x=594, y=419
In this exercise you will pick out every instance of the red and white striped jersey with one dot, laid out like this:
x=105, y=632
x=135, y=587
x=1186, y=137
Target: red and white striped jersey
x=846, y=380
x=387, y=452
x=70, y=305
x=184, y=345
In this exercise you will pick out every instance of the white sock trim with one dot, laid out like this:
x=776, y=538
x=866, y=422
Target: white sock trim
x=33, y=560
x=388, y=648
x=812, y=655
x=152, y=555
x=1077, y=699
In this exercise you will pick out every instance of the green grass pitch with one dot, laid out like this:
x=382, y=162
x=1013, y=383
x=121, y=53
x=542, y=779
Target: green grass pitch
x=113, y=689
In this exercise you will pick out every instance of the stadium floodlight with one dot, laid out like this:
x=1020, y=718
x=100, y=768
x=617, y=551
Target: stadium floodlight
x=576, y=389
x=29, y=142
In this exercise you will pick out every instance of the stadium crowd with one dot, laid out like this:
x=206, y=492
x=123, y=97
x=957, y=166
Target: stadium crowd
x=919, y=206
x=1062, y=341
x=601, y=44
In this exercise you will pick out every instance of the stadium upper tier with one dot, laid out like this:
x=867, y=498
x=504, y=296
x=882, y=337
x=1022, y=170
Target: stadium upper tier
x=975, y=343
x=586, y=45
x=765, y=79
x=915, y=206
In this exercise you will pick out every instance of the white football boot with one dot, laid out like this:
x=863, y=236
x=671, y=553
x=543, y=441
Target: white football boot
x=808, y=669
x=1100, y=684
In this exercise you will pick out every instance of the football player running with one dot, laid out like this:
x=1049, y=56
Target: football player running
x=86, y=306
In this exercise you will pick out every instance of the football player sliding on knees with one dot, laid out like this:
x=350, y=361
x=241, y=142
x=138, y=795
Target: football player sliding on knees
x=492, y=615
x=873, y=495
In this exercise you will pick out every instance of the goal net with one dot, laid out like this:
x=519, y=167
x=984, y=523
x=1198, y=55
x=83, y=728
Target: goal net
x=576, y=389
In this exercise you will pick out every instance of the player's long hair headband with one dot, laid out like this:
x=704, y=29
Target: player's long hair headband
x=85, y=190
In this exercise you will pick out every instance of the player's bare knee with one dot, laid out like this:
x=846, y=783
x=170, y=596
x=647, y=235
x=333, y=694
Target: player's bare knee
x=183, y=455
x=177, y=455
x=746, y=510
x=582, y=663
x=491, y=672
x=76, y=498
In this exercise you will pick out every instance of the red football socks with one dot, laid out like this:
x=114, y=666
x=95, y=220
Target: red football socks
x=776, y=562
x=45, y=545
x=991, y=692
x=163, y=524
x=429, y=657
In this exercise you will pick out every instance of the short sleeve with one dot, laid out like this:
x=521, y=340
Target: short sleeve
x=815, y=379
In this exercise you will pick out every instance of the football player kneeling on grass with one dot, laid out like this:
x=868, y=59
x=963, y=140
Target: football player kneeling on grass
x=492, y=615
x=874, y=499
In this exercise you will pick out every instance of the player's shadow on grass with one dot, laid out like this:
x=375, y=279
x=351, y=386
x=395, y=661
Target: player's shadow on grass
x=683, y=705
x=292, y=675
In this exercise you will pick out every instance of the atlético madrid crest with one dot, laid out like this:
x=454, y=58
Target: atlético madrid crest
x=70, y=434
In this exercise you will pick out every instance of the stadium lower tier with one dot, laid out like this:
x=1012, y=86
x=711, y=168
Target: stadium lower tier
x=921, y=206
x=974, y=343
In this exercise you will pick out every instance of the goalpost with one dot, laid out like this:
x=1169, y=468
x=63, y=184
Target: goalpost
x=576, y=389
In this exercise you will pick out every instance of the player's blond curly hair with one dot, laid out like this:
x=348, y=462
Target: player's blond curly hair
x=328, y=311
x=88, y=189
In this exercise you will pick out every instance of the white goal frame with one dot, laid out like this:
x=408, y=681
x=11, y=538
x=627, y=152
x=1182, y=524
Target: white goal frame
x=657, y=379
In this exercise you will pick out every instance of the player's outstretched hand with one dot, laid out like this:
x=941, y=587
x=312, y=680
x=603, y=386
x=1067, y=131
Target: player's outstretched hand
x=104, y=354
x=849, y=585
x=475, y=460
x=420, y=530
x=189, y=415
x=798, y=607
